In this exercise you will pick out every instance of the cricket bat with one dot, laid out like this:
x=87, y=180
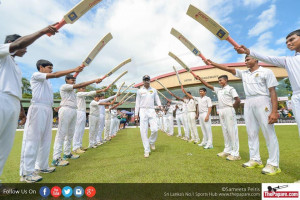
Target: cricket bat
x=187, y=43
x=182, y=64
x=120, y=88
x=95, y=51
x=128, y=98
x=162, y=95
x=76, y=12
x=127, y=88
x=178, y=77
x=117, y=79
x=164, y=87
x=116, y=68
x=124, y=97
x=210, y=24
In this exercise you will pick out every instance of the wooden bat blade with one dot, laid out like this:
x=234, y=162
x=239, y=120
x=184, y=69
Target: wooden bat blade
x=207, y=22
x=120, y=76
x=120, y=87
x=97, y=49
x=118, y=67
x=163, y=86
x=125, y=96
x=177, y=75
x=79, y=10
x=128, y=98
x=180, y=61
x=127, y=88
x=162, y=94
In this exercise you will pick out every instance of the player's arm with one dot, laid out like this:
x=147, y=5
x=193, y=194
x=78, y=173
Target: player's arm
x=63, y=73
x=222, y=67
x=237, y=102
x=27, y=40
x=273, y=117
x=197, y=111
x=205, y=83
x=84, y=84
x=274, y=60
x=157, y=100
x=208, y=114
x=137, y=106
x=22, y=115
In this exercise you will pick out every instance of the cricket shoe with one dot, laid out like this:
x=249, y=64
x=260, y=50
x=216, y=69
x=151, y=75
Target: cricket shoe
x=152, y=146
x=253, y=164
x=31, y=178
x=233, y=158
x=202, y=144
x=71, y=156
x=46, y=171
x=178, y=136
x=297, y=181
x=223, y=154
x=197, y=142
x=84, y=148
x=208, y=147
x=191, y=140
x=270, y=170
x=59, y=162
x=183, y=138
x=146, y=155
x=79, y=151
x=99, y=143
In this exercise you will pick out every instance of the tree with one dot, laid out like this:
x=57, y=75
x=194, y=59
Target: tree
x=56, y=95
x=26, y=90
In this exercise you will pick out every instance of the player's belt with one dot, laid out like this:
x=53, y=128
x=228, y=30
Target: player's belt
x=41, y=104
x=73, y=107
x=9, y=95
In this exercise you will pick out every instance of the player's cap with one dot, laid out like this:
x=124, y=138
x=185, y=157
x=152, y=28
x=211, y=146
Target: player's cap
x=146, y=77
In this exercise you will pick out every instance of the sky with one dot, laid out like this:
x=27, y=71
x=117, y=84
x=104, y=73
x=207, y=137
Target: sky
x=141, y=31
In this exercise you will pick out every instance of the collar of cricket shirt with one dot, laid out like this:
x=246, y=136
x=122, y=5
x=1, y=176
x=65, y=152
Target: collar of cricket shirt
x=297, y=53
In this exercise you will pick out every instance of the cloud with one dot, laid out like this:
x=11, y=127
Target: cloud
x=254, y=3
x=266, y=21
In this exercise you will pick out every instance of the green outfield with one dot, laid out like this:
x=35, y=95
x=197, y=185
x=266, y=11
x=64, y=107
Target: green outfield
x=174, y=161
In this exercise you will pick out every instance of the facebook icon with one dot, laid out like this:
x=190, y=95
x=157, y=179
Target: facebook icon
x=44, y=191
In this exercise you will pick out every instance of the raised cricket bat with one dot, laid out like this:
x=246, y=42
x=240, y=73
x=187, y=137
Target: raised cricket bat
x=162, y=95
x=76, y=12
x=210, y=24
x=187, y=43
x=120, y=88
x=124, y=97
x=164, y=87
x=128, y=98
x=116, y=68
x=117, y=79
x=95, y=51
x=182, y=64
x=127, y=88
x=178, y=77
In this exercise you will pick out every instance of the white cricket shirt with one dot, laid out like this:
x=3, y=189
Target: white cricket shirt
x=41, y=89
x=68, y=96
x=203, y=103
x=81, y=103
x=226, y=96
x=145, y=99
x=257, y=83
x=290, y=63
x=102, y=107
x=191, y=105
x=10, y=73
x=94, y=108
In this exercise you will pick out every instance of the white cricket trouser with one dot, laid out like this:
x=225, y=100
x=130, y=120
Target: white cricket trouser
x=161, y=123
x=79, y=129
x=107, y=129
x=230, y=130
x=94, y=129
x=192, y=126
x=65, y=132
x=9, y=115
x=101, y=127
x=113, y=126
x=36, y=139
x=186, y=125
x=206, y=128
x=257, y=111
x=179, y=120
x=165, y=124
x=170, y=122
x=296, y=109
x=147, y=116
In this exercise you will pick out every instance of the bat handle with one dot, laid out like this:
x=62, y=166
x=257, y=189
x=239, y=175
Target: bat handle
x=193, y=74
x=203, y=58
x=76, y=74
x=58, y=26
x=103, y=77
x=229, y=39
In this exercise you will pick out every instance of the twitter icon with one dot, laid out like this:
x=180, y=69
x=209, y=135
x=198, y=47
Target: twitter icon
x=67, y=191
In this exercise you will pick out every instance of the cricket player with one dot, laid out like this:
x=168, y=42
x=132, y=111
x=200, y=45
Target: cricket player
x=179, y=119
x=228, y=99
x=38, y=128
x=11, y=88
x=81, y=118
x=290, y=63
x=144, y=107
x=183, y=104
x=203, y=114
x=170, y=118
x=260, y=112
x=67, y=120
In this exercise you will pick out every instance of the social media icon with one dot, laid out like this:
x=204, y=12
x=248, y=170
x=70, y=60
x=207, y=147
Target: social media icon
x=67, y=191
x=78, y=191
x=56, y=191
x=45, y=191
x=90, y=191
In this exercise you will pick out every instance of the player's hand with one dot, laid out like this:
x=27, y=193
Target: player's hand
x=99, y=80
x=273, y=117
x=22, y=117
x=208, y=62
x=56, y=109
x=136, y=118
x=50, y=29
x=242, y=50
x=206, y=119
x=79, y=68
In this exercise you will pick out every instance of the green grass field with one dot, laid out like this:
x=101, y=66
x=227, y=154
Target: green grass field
x=174, y=161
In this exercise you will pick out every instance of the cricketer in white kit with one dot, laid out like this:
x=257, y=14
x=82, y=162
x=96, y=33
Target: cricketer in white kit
x=144, y=107
x=38, y=128
x=170, y=118
x=11, y=88
x=183, y=118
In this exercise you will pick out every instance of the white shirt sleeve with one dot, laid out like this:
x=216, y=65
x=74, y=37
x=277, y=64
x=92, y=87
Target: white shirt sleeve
x=234, y=93
x=177, y=102
x=216, y=89
x=86, y=94
x=156, y=98
x=209, y=103
x=94, y=103
x=38, y=76
x=107, y=100
x=66, y=87
x=271, y=80
x=277, y=61
x=137, y=103
x=238, y=73
x=4, y=50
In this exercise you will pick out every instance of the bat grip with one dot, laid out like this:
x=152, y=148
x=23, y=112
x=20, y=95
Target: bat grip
x=58, y=26
x=203, y=58
x=193, y=74
x=229, y=39
x=76, y=74
x=103, y=78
